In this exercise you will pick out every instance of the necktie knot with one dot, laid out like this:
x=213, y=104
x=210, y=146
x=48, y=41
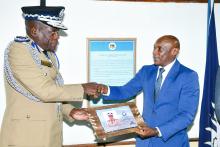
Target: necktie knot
x=161, y=70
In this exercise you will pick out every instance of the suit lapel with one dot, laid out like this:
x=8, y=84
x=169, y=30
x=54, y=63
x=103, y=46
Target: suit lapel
x=152, y=79
x=173, y=73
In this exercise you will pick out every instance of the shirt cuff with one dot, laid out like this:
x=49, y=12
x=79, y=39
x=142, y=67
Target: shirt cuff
x=108, y=93
x=159, y=133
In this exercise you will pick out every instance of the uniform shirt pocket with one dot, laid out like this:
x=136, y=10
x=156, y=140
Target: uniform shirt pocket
x=27, y=130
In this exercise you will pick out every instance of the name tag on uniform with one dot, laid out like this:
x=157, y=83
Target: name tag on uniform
x=46, y=63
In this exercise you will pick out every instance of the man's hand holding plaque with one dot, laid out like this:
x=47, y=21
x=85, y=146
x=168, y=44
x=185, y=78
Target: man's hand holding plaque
x=79, y=114
x=146, y=132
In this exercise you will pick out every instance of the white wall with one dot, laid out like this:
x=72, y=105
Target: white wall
x=144, y=21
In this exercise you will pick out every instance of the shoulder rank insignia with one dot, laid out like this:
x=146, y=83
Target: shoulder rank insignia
x=21, y=39
x=46, y=63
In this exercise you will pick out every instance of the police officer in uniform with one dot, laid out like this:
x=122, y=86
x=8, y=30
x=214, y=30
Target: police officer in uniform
x=36, y=97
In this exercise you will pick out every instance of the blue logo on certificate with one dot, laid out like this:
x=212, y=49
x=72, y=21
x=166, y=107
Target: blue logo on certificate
x=118, y=118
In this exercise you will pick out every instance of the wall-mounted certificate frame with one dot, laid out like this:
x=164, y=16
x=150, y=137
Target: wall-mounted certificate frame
x=115, y=120
x=111, y=61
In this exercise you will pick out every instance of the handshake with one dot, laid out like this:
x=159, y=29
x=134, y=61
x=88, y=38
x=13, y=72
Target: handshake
x=94, y=90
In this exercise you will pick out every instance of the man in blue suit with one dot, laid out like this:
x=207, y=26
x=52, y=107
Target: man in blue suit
x=171, y=95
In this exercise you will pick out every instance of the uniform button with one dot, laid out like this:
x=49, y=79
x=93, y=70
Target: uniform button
x=28, y=116
x=45, y=74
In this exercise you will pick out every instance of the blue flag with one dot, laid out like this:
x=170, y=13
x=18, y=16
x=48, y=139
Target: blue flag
x=208, y=128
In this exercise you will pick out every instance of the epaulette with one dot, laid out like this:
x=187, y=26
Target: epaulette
x=21, y=39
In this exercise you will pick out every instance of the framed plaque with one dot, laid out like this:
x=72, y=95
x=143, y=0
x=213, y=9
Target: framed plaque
x=111, y=61
x=114, y=120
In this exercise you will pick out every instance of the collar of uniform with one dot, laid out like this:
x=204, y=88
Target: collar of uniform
x=34, y=44
x=40, y=48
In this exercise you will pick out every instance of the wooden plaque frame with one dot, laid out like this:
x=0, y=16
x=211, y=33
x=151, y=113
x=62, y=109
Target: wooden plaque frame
x=98, y=128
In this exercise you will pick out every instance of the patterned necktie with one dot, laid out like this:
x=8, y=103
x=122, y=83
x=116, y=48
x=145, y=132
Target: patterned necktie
x=158, y=83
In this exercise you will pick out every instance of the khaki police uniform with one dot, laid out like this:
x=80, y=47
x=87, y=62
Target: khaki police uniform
x=30, y=123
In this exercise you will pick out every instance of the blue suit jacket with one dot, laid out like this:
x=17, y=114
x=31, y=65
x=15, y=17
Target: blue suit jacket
x=174, y=109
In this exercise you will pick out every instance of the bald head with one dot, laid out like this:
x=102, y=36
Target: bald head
x=170, y=38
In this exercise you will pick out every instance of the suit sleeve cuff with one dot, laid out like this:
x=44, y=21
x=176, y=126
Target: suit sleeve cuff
x=159, y=133
x=108, y=93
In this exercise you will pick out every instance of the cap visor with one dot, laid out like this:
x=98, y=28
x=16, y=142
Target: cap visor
x=55, y=25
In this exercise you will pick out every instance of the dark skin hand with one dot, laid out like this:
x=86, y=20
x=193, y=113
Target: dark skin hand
x=79, y=114
x=91, y=89
x=146, y=132
x=102, y=89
